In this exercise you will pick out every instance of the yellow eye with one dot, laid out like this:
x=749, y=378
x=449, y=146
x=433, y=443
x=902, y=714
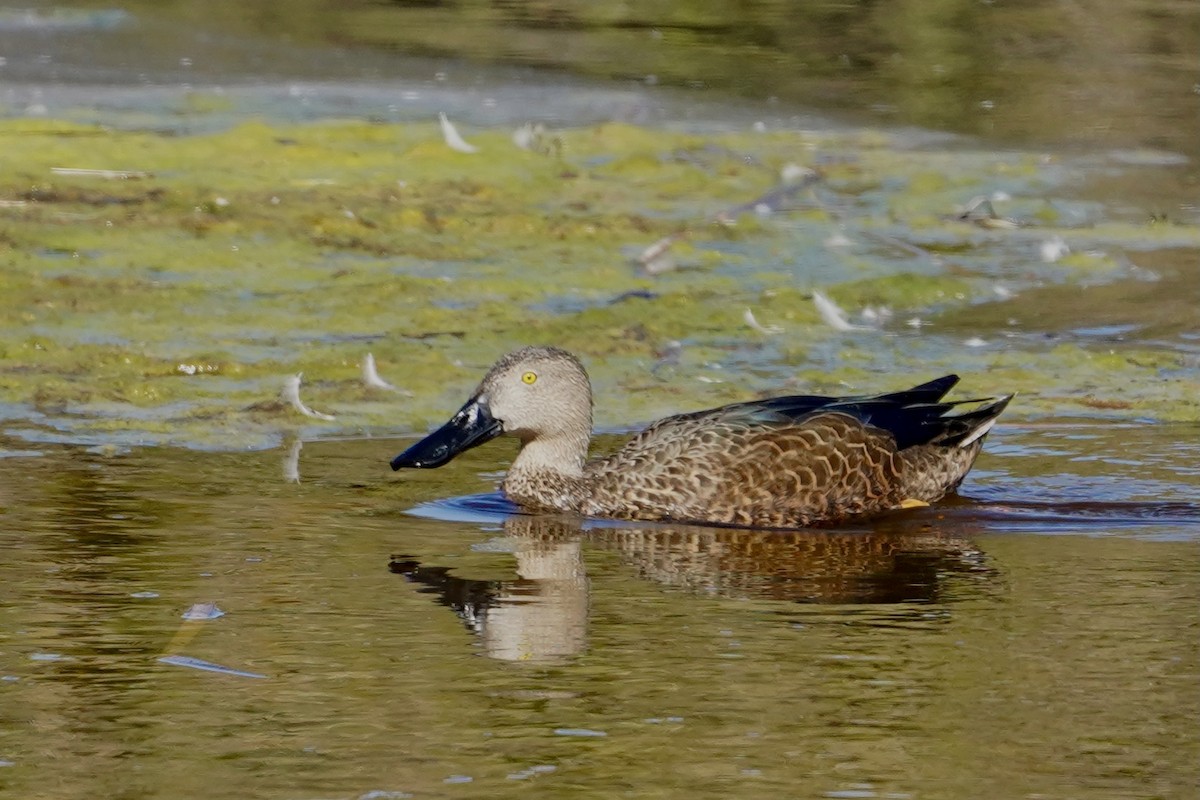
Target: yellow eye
x=529, y=377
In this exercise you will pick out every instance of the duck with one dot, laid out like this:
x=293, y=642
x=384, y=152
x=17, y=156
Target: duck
x=796, y=461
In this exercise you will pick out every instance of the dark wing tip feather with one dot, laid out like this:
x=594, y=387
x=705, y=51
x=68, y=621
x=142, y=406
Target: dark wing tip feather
x=915, y=424
x=962, y=429
x=929, y=392
x=913, y=416
x=793, y=407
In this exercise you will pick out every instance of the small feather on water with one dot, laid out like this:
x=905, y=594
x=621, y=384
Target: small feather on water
x=207, y=666
x=578, y=732
x=107, y=174
x=975, y=341
x=794, y=173
x=833, y=316
x=524, y=136
x=1054, y=249
x=656, y=259
x=203, y=611
x=765, y=330
x=876, y=316
x=838, y=239
x=453, y=140
x=534, y=137
x=371, y=377
x=979, y=210
x=529, y=136
x=291, y=396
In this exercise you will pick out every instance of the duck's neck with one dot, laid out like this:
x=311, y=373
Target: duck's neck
x=548, y=473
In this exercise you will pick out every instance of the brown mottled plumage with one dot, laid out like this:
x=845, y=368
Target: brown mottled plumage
x=787, y=462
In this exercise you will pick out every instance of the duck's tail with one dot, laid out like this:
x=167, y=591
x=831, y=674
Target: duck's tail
x=963, y=430
x=932, y=470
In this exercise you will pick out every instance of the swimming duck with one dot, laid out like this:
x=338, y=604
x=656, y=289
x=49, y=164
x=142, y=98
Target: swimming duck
x=786, y=462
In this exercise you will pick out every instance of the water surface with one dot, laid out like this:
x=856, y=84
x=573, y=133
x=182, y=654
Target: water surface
x=1035, y=637
x=205, y=594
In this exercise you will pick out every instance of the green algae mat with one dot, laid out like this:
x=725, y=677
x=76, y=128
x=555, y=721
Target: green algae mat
x=160, y=288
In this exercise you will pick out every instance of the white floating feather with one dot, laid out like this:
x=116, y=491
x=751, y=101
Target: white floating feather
x=291, y=396
x=794, y=173
x=875, y=316
x=453, y=140
x=529, y=135
x=108, y=174
x=1053, y=249
x=656, y=259
x=524, y=137
x=833, y=316
x=765, y=330
x=202, y=612
x=192, y=662
x=371, y=377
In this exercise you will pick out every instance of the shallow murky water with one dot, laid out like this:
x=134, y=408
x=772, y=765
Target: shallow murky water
x=297, y=622
x=1036, y=637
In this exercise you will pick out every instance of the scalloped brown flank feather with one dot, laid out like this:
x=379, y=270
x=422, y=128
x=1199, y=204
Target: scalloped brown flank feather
x=763, y=464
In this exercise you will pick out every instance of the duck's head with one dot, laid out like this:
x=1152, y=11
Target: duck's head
x=537, y=394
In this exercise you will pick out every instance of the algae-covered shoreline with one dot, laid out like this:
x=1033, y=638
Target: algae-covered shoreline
x=167, y=301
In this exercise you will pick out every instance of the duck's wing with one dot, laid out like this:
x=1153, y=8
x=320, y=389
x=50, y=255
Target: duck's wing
x=917, y=424
x=795, y=461
x=913, y=416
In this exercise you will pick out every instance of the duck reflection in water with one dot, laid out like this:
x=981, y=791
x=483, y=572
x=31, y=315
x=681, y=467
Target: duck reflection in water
x=539, y=616
x=542, y=614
